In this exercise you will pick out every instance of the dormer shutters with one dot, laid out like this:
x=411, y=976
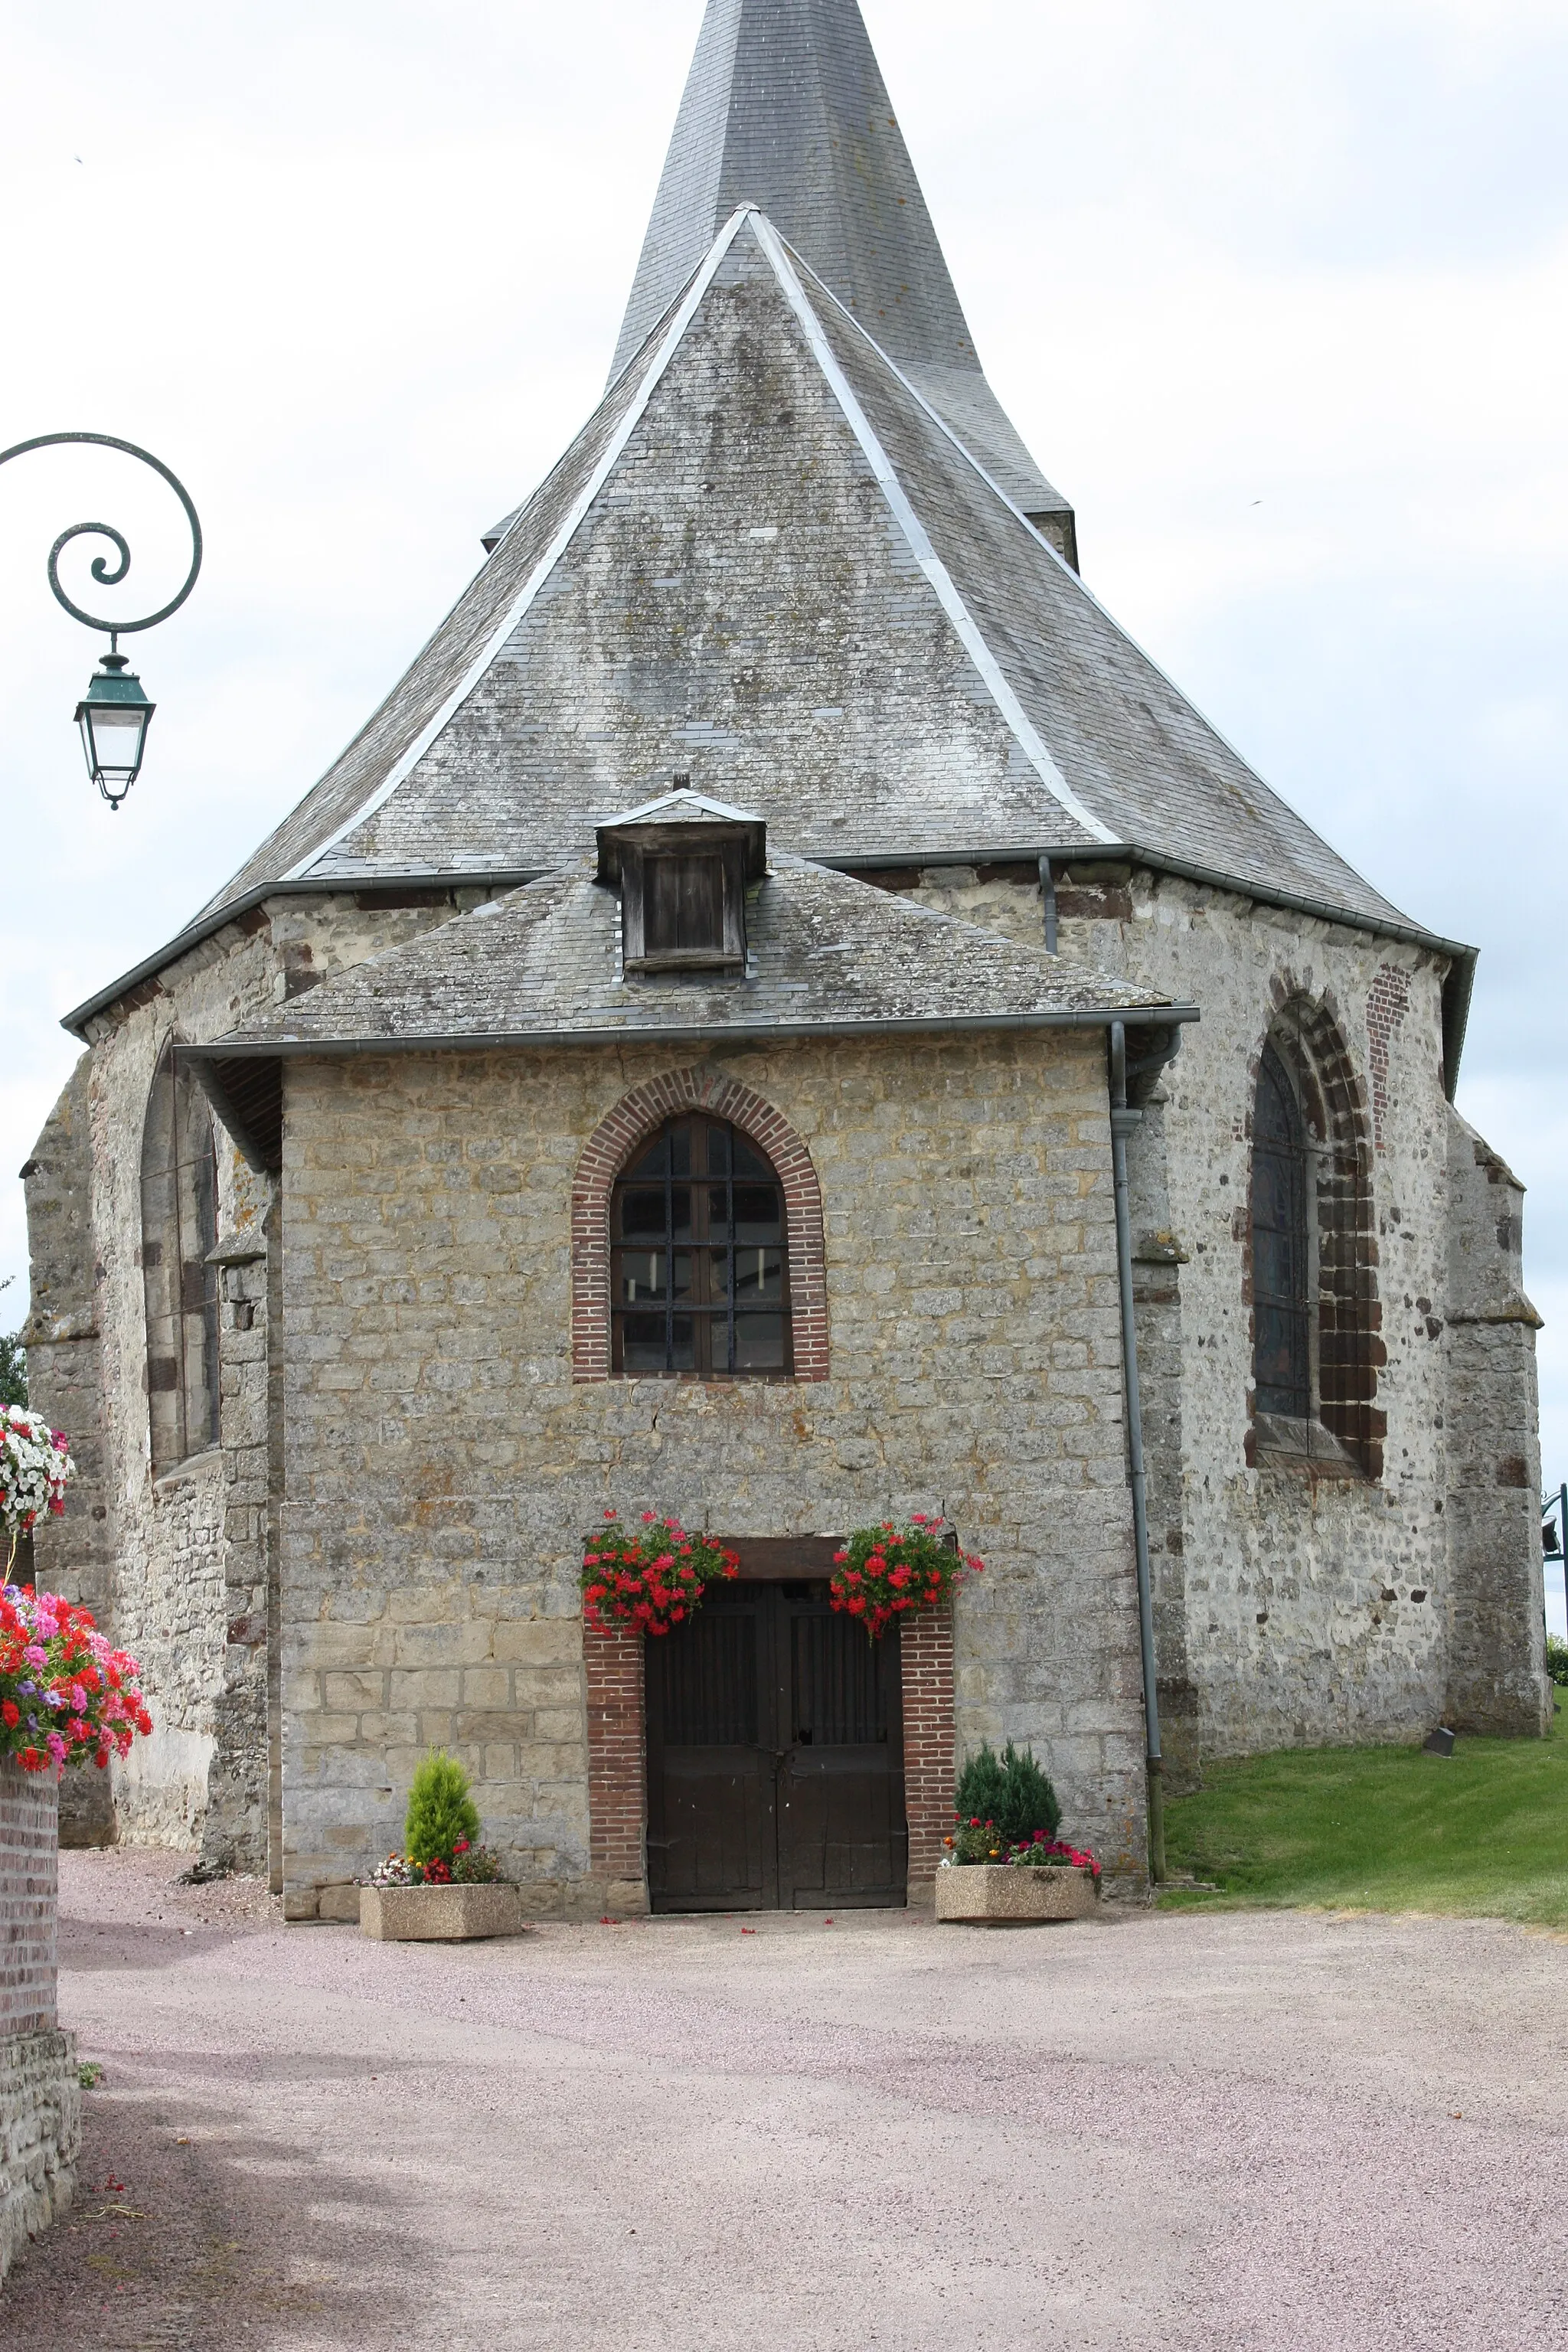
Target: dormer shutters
x=683, y=866
x=684, y=895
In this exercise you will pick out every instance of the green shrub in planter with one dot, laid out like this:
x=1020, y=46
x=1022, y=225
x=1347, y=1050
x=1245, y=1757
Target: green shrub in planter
x=1008, y=1792
x=441, y=1813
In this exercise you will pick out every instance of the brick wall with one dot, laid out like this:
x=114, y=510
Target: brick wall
x=618, y=1759
x=930, y=1764
x=29, y=1871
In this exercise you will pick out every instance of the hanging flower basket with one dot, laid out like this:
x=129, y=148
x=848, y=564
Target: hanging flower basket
x=650, y=1579
x=67, y=1695
x=885, y=1572
x=34, y=1463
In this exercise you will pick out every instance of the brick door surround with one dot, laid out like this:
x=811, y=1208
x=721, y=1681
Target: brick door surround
x=617, y=1753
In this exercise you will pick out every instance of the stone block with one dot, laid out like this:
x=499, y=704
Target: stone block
x=441, y=1914
x=464, y=1643
x=1000, y=1894
x=486, y=1686
x=341, y=1903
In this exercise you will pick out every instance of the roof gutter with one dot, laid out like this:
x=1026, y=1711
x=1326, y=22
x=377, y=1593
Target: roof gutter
x=1456, y=988
x=489, y=877
x=228, y=1049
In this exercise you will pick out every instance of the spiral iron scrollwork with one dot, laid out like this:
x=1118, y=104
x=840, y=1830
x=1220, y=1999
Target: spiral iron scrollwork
x=106, y=576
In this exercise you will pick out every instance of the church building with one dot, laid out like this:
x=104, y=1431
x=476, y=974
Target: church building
x=785, y=1016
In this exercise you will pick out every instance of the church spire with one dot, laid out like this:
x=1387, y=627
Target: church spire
x=785, y=107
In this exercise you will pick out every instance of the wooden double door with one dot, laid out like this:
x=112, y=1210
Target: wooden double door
x=775, y=1757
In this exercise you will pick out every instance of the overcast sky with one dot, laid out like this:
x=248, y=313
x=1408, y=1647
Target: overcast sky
x=1278, y=297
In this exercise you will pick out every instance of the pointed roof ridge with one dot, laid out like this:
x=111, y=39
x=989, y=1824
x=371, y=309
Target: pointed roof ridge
x=997, y=684
x=785, y=109
x=1078, y=699
x=687, y=798
x=1039, y=537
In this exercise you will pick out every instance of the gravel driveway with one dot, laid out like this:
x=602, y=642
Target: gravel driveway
x=1286, y=2130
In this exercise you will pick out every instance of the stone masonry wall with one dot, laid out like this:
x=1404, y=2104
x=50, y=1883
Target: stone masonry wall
x=442, y=1466
x=72, y=1555
x=178, y=1568
x=1310, y=1609
x=40, y=2102
x=40, y=2136
x=1497, y=1680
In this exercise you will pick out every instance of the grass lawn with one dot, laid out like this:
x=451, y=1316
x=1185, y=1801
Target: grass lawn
x=1484, y=1832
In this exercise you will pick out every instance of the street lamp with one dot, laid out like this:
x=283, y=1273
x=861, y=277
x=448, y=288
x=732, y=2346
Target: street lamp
x=114, y=714
x=115, y=718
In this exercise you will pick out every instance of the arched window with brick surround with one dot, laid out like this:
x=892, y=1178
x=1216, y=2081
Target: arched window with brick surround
x=180, y=1286
x=697, y=1239
x=1313, y=1253
x=698, y=1270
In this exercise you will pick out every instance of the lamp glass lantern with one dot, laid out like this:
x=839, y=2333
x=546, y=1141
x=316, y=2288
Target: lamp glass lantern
x=114, y=717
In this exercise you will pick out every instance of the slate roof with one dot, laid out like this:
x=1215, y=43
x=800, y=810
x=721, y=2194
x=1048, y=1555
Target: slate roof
x=959, y=692
x=1097, y=747
x=785, y=109
x=825, y=954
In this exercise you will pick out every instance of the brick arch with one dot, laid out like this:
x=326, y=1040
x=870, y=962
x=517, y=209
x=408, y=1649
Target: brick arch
x=611, y=1145
x=1306, y=1031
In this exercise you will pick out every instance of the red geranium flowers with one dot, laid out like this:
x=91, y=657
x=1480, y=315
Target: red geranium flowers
x=67, y=1695
x=651, y=1580
x=886, y=1571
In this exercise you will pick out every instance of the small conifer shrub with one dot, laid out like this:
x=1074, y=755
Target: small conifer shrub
x=441, y=1814
x=1007, y=1795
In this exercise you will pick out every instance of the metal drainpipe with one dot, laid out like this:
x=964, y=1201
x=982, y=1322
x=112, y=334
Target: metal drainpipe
x=1122, y=1123
x=1048, y=904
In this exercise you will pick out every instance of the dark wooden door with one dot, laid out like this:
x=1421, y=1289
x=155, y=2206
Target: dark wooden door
x=775, y=1757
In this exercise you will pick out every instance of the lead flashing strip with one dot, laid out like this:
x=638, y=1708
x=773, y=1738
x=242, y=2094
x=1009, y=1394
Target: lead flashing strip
x=1056, y=557
x=405, y=765
x=715, y=1034
x=914, y=531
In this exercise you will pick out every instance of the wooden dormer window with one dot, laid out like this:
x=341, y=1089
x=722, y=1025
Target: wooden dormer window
x=683, y=866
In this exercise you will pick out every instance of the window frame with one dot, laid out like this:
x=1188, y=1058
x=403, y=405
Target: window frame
x=701, y=1306
x=1294, y=1151
x=180, y=1218
x=1342, y=1433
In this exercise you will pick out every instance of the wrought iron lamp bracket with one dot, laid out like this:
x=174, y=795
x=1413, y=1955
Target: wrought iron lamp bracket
x=102, y=572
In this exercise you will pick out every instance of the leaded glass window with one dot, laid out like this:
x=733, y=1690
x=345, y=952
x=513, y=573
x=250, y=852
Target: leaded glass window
x=1282, y=1251
x=699, y=1273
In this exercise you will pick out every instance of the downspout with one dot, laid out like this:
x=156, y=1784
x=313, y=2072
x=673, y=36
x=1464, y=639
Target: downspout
x=1048, y=904
x=1123, y=1121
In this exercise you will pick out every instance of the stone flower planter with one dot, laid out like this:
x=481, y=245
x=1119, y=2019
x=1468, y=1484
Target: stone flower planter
x=438, y=1915
x=999, y=1895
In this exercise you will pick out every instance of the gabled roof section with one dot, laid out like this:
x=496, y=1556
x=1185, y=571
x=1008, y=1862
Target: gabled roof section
x=769, y=564
x=826, y=953
x=1141, y=762
x=785, y=109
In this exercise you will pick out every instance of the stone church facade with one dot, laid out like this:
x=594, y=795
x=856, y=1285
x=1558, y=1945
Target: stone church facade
x=778, y=795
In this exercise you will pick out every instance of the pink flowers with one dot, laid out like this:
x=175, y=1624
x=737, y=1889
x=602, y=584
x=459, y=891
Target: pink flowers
x=66, y=1696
